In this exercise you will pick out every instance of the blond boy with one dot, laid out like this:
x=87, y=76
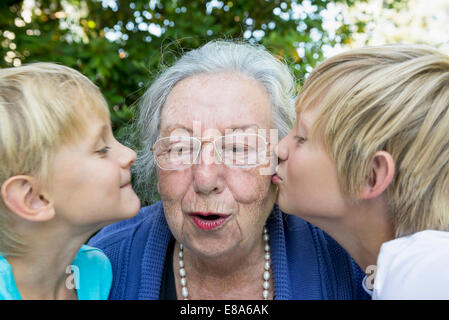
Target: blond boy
x=368, y=162
x=63, y=176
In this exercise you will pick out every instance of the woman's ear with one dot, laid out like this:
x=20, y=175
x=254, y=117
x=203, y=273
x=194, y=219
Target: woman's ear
x=380, y=174
x=22, y=197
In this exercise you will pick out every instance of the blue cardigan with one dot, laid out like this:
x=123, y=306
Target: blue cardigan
x=307, y=263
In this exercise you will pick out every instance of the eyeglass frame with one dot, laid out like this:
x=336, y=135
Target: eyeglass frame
x=211, y=140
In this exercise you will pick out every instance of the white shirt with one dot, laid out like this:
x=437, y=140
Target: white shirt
x=414, y=267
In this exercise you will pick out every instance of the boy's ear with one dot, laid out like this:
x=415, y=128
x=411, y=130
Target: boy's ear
x=380, y=175
x=22, y=197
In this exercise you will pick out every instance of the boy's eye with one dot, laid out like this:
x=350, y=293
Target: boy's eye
x=300, y=139
x=104, y=150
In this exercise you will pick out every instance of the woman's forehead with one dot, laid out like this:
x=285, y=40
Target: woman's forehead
x=219, y=103
x=198, y=127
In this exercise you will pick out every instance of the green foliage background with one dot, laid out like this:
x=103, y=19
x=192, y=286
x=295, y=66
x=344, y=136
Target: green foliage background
x=124, y=67
x=76, y=33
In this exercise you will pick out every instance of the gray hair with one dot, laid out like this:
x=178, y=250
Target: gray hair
x=216, y=56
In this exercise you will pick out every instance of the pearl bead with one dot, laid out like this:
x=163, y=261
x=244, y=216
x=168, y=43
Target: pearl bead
x=183, y=282
x=266, y=285
x=267, y=247
x=266, y=237
x=267, y=265
x=180, y=255
x=184, y=292
x=267, y=256
x=182, y=272
x=266, y=275
x=181, y=263
x=265, y=294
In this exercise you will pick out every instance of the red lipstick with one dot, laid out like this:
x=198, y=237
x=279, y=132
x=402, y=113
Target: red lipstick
x=208, y=220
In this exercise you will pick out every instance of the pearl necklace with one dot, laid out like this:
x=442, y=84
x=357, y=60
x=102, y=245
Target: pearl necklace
x=266, y=274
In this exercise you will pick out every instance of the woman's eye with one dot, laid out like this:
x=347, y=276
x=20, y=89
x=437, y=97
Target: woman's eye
x=104, y=150
x=180, y=149
x=239, y=148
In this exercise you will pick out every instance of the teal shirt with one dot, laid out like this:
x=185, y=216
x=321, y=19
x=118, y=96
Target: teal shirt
x=91, y=275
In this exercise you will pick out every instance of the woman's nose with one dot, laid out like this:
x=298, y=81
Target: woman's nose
x=206, y=179
x=207, y=173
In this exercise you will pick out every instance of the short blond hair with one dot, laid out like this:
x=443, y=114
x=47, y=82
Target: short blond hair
x=42, y=106
x=393, y=98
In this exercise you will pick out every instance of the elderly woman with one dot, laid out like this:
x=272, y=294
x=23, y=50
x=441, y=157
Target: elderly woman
x=206, y=126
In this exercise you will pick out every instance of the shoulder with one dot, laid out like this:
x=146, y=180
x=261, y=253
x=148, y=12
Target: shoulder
x=419, y=240
x=8, y=289
x=310, y=239
x=4, y=266
x=414, y=267
x=313, y=255
x=92, y=274
x=421, y=248
x=117, y=239
x=93, y=258
x=125, y=230
x=132, y=246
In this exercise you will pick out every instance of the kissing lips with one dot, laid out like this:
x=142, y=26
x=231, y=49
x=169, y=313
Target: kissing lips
x=208, y=220
x=276, y=179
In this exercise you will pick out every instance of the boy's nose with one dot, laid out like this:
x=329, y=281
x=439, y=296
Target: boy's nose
x=128, y=157
x=281, y=149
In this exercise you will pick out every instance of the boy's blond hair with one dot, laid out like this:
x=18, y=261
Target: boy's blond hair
x=42, y=106
x=393, y=98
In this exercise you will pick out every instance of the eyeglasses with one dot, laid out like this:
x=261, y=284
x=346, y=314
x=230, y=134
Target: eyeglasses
x=237, y=150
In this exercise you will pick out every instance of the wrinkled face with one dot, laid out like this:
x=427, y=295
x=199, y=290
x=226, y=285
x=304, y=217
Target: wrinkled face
x=210, y=207
x=307, y=176
x=90, y=179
